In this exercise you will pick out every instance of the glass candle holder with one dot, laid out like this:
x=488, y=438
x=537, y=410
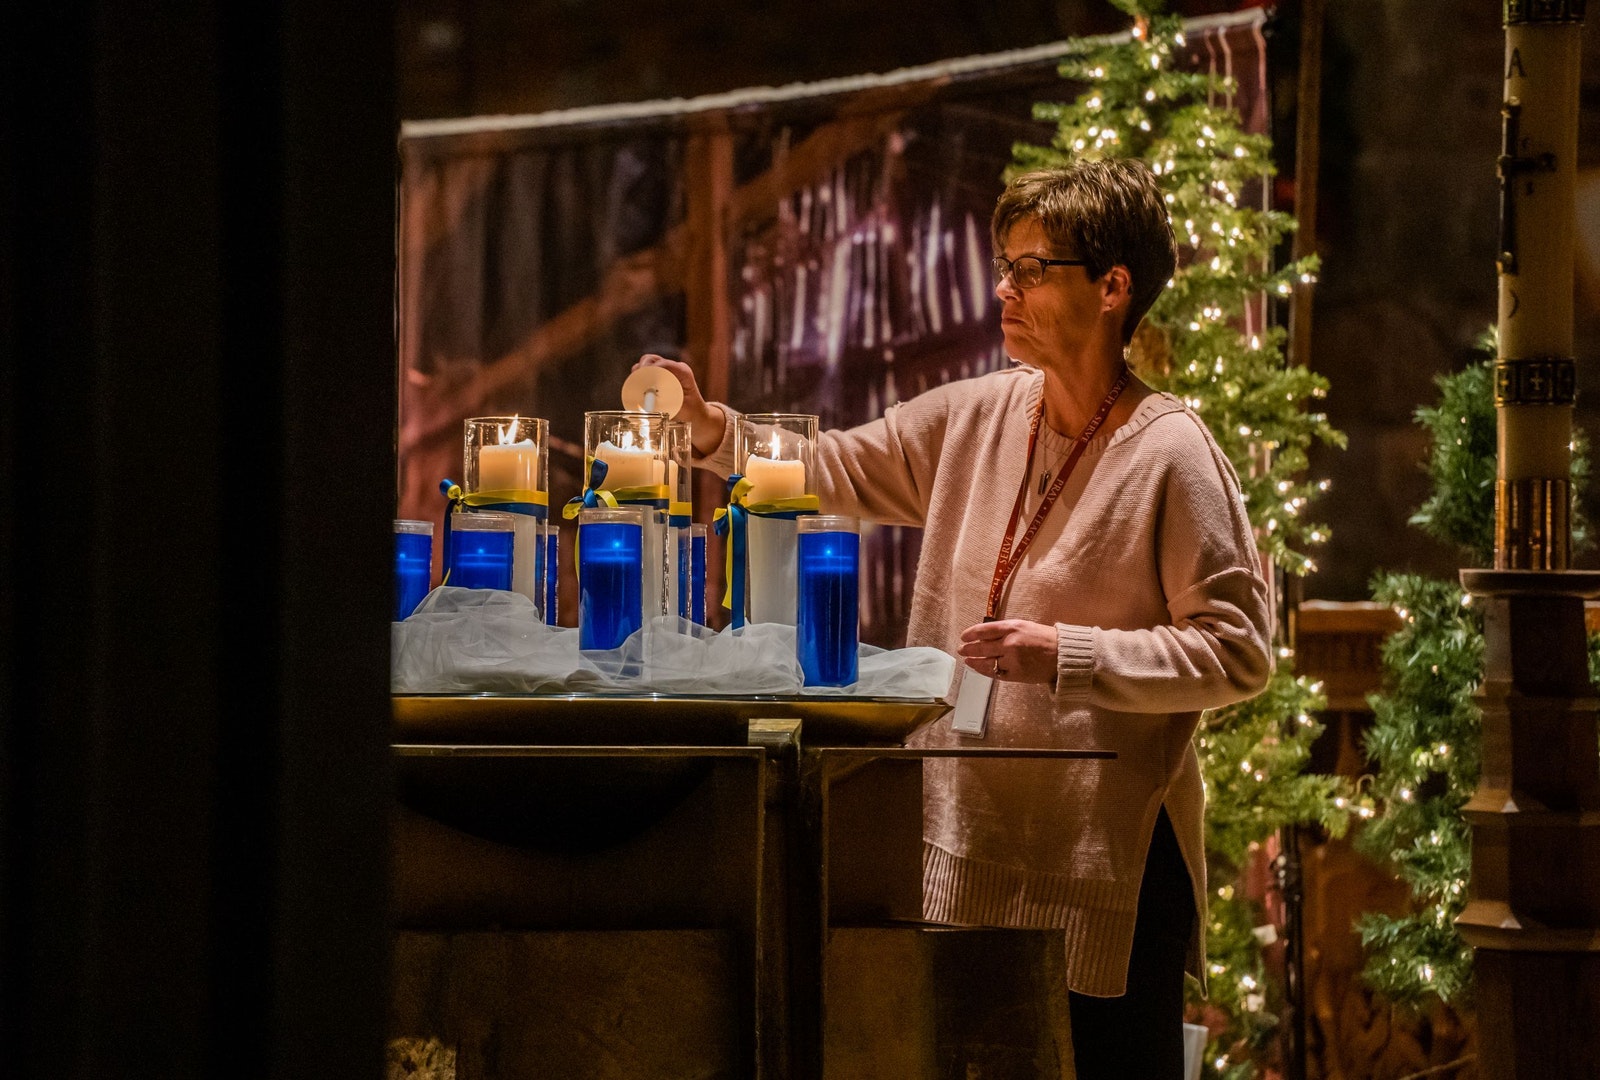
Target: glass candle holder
x=680, y=513
x=482, y=547
x=413, y=565
x=680, y=478
x=507, y=467
x=610, y=580
x=776, y=453
x=697, y=573
x=634, y=447
x=632, y=444
x=827, y=626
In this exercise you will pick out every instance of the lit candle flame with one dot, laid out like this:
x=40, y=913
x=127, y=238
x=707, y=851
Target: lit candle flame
x=774, y=445
x=508, y=432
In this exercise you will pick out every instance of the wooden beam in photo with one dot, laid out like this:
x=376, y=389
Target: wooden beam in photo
x=638, y=279
x=708, y=181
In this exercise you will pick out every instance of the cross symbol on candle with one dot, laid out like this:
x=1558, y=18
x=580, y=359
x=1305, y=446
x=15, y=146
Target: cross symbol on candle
x=1536, y=381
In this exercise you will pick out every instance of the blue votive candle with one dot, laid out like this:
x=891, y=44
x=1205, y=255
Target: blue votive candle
x=413, y=565
x=610, y=577
x=697, y=573
x=682, y=553
x=552, y=571
x=481, y=548
x=827, y=630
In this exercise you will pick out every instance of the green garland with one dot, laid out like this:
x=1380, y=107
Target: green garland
x=1138, y=104
x=1424, y=741
x=1425, y=735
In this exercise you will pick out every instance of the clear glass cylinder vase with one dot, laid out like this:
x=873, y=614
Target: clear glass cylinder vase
x=506, y=469
x=638, y=473
x=776, y=452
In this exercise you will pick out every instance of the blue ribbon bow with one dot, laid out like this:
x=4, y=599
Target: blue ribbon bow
x=593, y=496
x=733, y=520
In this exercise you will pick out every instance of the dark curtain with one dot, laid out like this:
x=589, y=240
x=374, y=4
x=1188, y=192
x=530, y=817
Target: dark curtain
x=196, y=400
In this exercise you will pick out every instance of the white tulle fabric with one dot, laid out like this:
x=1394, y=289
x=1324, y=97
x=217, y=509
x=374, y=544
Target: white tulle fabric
x=482, y=641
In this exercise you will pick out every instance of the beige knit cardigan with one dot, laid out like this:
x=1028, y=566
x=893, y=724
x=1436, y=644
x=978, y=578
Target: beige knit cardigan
x=1148, y=568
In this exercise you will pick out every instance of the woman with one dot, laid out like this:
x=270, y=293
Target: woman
x=1131, y=600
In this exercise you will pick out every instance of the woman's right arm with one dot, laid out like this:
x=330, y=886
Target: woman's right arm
x=881, y=471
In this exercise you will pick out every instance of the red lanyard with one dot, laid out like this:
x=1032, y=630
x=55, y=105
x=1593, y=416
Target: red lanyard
x=1008, y=561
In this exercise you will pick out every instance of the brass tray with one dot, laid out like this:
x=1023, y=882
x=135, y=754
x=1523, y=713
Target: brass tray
x=652, y=719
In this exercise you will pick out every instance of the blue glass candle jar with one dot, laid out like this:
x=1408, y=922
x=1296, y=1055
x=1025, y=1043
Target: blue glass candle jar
x=680, y=512
x=482, y=548
x=697, y=573
x=610, y=576
x=552, y=573
x=683, y=557
x=827, y=626
x=413, y=565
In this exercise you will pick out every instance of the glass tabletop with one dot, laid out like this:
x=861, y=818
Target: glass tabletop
x=654, y=719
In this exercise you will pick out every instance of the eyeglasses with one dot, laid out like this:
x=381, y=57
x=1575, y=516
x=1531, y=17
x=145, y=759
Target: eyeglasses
x=1026, y=270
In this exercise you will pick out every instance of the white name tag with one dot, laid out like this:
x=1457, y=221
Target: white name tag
x=971, y=716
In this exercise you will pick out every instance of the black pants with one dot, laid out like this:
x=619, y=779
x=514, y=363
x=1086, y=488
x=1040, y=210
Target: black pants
x=1139, y=1036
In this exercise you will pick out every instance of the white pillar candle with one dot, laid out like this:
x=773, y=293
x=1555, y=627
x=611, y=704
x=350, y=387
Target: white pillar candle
x=773, y=546
x=508, y=467
x=773, y=542
x=527, y=536
x=1542, y=75
x=770, y=479
x=653, y=557
x=628, y=466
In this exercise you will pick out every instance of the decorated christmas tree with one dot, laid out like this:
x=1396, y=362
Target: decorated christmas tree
x=1208, y=341
x=1424, y=739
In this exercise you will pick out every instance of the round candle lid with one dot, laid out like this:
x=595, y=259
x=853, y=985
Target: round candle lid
x=646, y=381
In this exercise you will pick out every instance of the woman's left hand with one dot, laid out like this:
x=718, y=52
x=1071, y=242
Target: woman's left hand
x=1014, y=650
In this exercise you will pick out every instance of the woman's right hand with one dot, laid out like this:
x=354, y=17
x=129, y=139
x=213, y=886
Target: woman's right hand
x=706, y=421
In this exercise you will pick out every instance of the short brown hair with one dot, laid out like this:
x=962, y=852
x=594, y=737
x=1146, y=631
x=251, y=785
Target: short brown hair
x=1108, y=213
